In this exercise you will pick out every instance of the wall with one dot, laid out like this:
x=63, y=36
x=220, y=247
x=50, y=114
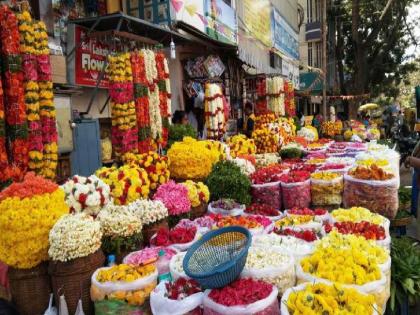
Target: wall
x=288, y=9
x=80, y=103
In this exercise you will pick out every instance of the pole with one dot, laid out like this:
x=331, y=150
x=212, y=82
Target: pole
x=324, y=58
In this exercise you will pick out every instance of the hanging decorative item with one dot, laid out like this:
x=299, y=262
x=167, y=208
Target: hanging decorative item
x=214, y=111
x=164, y=94
x=124, y=122
x=290, y=105
x=261, y=105
x=274, y=88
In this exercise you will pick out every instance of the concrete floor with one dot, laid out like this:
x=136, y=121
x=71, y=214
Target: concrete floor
x=405, y=180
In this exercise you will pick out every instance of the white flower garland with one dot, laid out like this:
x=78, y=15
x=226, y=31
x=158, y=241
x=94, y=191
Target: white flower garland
x=119, y=221
x=154, y=113
x=73, y=236
x=149, y=211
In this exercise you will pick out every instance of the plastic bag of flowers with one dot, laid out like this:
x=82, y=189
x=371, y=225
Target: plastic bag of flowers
x=271, y=266
x=296, y=189
x=326, y=188
x=267, y=194
x=179, y=238
x=242, y=297
x=183, y=296
x=320, y=215
x=299, y=223
x=311, y=298
x=348, y=267
x=372, y=188
x=126, y=283
x=226, y=207
x=176, y=268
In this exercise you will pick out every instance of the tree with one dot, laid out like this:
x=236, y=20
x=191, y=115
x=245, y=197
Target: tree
x=372, y=38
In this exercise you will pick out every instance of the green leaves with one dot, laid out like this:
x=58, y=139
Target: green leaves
x=178, y=132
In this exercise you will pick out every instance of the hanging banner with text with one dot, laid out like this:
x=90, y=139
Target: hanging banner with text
x=285, y=38
x=257, y=20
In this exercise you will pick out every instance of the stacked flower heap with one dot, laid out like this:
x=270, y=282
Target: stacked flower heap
x=366, y=229
x=46, y=103
x=198, y=192
x=181, y=289
x=357, y=214
x=214, y=111
x=14, y=96
x=309, y=133
x=127, y=183
x=246, y=166
x=156, y=166
x=119, y=221
x=240, y=145
x=264, y=120
x=86, y=194
x=27, y=47
x=266, y=140
x=178, y=235
x=164, y=94
x=174, y=197
x=124, y=122
x=141, y=98
x=74, y=236
x=331, y=128
x=28, y=210
x=216, y=146
x=320, y=298
x=191, y=159
x=289, y=244
x=275, y=94
x=149, y=211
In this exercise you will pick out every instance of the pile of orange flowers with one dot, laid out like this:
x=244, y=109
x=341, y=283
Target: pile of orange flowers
x=241, y=221
x=372, y=172
x=31, y=186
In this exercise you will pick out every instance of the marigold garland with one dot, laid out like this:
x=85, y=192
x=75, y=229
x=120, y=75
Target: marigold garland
x=214, y=111
x=240, y=145
x=28, y=211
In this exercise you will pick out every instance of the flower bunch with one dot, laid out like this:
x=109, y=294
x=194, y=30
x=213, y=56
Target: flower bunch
x=4, y=163
x=241, y=292
x=264, y=120
x=372, y=172
x=266, y=140
x=181, y=289
x=46, y=103
x=309, y=133
x=274, y=90
x=266, y=159
x=262, y=209
x=217, y=147
x=289, y=96
x=214, y=111
x=28, y=210
x=327, y=176
x=310, y=168
x=320, y=298
x=73, y=236
x=261, y=104
x=149, y=211
x=124, y=122
x=198, y=193
x=119, y=221
x=288, y=244
x=164, y=94
x=294, y=220
x=357, y=214
x=268, y=174
x=307, y=211
x=331, y=128
x=127, y=183
x=240, y=144
x=340, y=160
x=178, y=235
x=175, y=197
x=333, y=167
x=366, y=229
x=191, y=159
x=306, y=235
x=315, y=161
x=246, y=167
x=87, y=194
x=124, y=273
x=247, y=222
x=156, y=166
x=295, y=176
x=148, y=255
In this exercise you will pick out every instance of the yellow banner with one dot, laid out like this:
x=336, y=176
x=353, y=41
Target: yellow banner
x=257, y=19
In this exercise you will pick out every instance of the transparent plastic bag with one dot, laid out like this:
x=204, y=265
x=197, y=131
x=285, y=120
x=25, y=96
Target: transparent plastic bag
x=379, y=289
x=134, y=292
x=283, y=304
x=296, y=195
x=162, y=305
x=282, y=276
x=377, y=196
x=234, y=212
x=267, y=306
x=51, y=310
x=267, y=194
x=327, y=192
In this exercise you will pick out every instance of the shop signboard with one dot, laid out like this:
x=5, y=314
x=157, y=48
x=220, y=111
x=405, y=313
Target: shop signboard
x=257, y=20
x=285, y=38
x=190, y=12
x=89, y=59
x=291, y=72
x=221, y=21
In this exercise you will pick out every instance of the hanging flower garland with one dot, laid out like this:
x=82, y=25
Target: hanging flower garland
x=164, y=94
x=141, y=98
x=4, y=163
x=27, y=48
x=15, y=110
x=290, y=105
x=214, y=111
x=46, y=102
x=274, y=88
x=124, y=121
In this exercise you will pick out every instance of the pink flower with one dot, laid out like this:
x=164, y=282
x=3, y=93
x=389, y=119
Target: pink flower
x=174, y=197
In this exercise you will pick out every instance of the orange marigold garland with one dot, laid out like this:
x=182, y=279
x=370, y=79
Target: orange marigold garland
x=164, y=94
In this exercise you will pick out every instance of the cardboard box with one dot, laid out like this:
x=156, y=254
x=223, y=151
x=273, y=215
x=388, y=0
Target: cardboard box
x=59, y=69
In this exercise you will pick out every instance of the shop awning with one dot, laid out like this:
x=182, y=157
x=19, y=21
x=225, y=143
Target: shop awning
x=310, y=83
x=124, y=23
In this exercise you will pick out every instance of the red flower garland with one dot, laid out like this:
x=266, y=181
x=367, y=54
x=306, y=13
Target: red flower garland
x=164, y=95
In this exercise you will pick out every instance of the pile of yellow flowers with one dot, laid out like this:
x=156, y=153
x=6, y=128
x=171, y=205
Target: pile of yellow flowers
x=241, y=145
x=266, y=140
x=294, y=220
x=128, y=183
x=357, y=214
x=345, y=266
x=28, y=211
x=262, y=121
x=320, y=299
x=156, y=166
x=191, y=159
x=128, y=274
x=198, y=193
x=218, y=146
x=330, y=129
x=370, y=161
x=328, y=176
x=348, y=134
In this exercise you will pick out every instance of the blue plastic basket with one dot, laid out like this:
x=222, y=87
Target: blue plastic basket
x=218, y=257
